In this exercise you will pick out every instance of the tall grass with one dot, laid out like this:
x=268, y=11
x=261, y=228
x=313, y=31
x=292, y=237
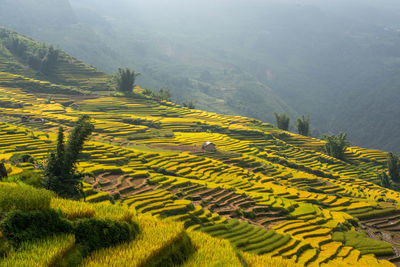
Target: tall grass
x=79, y=209
x=23, y=197
x=254, y=260
x=211, y=251
x=155, y=236
x=39, y=253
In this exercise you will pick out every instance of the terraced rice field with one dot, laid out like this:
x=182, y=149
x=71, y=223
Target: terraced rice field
x=264, y=191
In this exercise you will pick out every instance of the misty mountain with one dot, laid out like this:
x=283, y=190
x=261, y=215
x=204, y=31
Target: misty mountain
x=335, y=60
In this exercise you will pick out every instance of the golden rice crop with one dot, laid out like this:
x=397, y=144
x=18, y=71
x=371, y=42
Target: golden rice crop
x=154, y=236
x=79, y=209
x=211, y=251
x=14, y=196
x=267, y=261
x=39, y=253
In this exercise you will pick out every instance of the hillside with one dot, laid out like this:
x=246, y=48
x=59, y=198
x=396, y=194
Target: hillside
x=266, y=191
x=22, y=55
x=336, y=61
x=107, y=40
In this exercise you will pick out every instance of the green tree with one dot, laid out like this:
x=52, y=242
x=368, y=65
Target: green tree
x=394, y=166
x=282, y=121
x=49, y=61
x=336, y=145
x=3, y=170
x=189, y=104
x=125, y=79
x=385, y=180
x=303, y=125
x=164, y=94
x=16, y=46
x=60, y=172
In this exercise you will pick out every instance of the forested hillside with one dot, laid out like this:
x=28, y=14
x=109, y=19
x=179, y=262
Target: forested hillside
x=271, y=197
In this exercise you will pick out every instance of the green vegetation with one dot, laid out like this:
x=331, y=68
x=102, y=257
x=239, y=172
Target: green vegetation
x=42, y=58
x=3, y=171
x=189, y=104
x=19, y=226
x=394, y=166
x=162, y=94
x=336, y=145
x=303, y=125
x=282, y=121
x=363, y=243
x=125, y=80
x=60, y=172
x=13, y=197
x=265, y=191
x=95, y=233
x=385, y=180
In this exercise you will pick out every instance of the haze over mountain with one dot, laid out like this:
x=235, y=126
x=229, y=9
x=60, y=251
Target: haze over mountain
x=335, y=60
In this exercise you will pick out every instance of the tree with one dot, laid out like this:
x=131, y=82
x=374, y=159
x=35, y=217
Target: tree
x=189, y=104
x=394, y=166
x=385, y=180
x=164, y=94
x=49, y=60
x=336, y=145
x=16, y=46
x=3, y=170
x=60, y=172
x=282, y=121
x=303, y=125
x=125, y=79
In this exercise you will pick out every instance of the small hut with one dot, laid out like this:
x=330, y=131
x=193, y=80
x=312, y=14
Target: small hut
x=209, y=147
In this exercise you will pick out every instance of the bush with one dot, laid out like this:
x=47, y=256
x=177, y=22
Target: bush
x=22, y=197
x=384, y=180
x=303, y=125
x=19, y=226
x=33, y=178
x=282, y=121
x=5, y=247
x=125, y=79
x=394, y=167
x=336, y=145
x=98, y=233
x=21, y=158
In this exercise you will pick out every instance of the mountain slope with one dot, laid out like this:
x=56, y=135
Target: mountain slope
x=265, y=190
x=22, y=55
x=315, y=57
x=109, y=42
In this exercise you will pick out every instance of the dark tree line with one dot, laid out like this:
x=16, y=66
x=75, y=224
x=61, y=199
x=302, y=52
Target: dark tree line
x=40, y=58
x=162, y=94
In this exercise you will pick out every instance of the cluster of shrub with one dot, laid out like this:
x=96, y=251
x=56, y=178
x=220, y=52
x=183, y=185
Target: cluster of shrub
x=26, y=216
x=336, y=145
x=40, y=58
x=392, y=176
x=162, y=94
x=25, y=212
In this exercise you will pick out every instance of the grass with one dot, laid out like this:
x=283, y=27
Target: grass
x=154, y=237
x=14, y=196
x=42, y=252
x=211, y=251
